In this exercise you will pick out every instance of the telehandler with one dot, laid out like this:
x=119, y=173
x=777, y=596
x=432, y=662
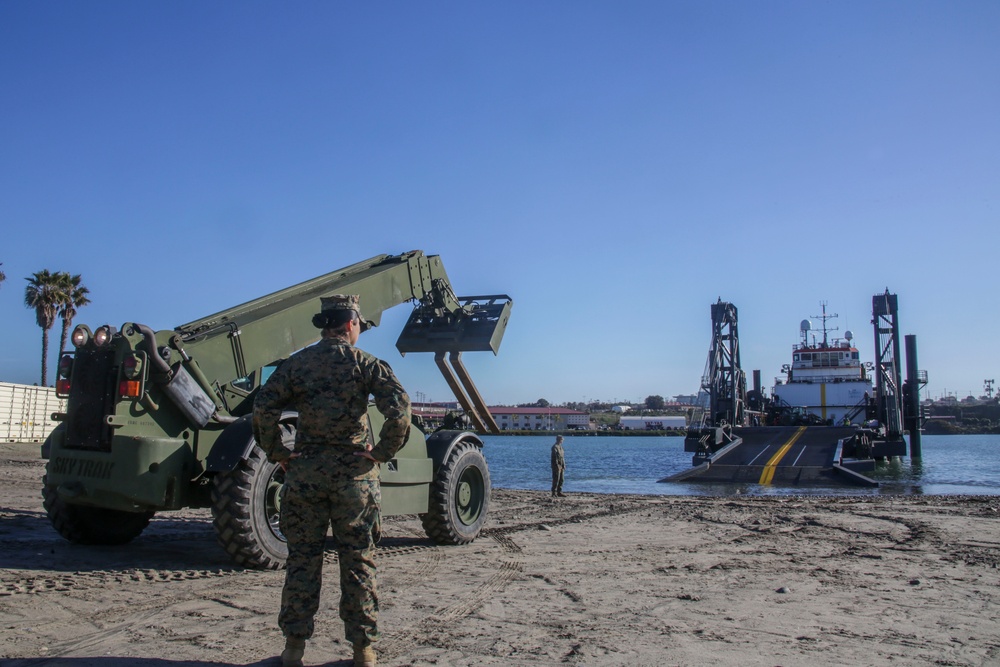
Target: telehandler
x=160, y=420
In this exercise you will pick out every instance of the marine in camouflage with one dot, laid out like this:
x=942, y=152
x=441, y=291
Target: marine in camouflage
x=317, y=494
x=326, y=483
x=558, y=466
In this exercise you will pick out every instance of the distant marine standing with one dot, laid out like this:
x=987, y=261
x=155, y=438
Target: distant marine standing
x=558, y=467
x=332, y=476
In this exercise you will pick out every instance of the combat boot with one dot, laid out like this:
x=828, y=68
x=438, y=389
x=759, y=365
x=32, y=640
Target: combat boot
x=294, y=650
x=364, y=655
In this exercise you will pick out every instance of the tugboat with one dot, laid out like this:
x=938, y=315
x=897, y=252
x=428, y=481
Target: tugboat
x=826, y=383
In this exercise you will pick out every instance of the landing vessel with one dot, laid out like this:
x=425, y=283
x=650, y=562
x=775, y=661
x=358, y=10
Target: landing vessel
x=811, y=432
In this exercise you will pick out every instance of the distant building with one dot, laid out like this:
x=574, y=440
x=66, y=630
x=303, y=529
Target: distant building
x=539, y=419
x=620, y=408
x=432, y=414
x=652, y=423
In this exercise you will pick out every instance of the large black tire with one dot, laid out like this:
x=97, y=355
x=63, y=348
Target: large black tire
x=81, y=524
x=246, y=506
x=460, y=497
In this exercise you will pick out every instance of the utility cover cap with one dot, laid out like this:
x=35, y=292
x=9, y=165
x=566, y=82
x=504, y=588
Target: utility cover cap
x=345, y=302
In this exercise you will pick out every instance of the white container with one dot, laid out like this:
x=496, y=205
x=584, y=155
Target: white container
x=26, y=412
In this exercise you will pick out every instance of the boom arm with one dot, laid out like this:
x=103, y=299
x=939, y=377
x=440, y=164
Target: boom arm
x=229, y=345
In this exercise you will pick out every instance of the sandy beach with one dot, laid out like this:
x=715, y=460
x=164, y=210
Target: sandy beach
x=582, y=580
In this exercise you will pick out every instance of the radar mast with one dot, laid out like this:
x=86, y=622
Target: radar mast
x=823, y=318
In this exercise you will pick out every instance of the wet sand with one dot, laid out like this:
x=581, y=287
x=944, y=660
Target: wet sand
x=582, y=580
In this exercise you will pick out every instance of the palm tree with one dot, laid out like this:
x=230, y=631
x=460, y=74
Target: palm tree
x=45, y=293
x=75, y=297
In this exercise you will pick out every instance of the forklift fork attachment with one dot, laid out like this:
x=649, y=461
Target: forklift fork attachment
x=472, y=402
x=477, y=327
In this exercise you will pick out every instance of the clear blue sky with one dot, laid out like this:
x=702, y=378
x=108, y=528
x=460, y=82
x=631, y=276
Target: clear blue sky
x=615, y=167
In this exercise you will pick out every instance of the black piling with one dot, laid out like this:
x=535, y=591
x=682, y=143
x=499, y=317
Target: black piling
x=912, y=395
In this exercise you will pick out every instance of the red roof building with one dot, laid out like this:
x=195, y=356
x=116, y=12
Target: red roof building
x=539, y=419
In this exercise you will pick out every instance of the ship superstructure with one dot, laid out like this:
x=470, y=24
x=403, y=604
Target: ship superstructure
x=826, y=382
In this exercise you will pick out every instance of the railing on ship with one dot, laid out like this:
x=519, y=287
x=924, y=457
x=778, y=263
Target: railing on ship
x=827, y=379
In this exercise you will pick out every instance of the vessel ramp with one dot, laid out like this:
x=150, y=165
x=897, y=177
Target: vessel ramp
x=778, y=455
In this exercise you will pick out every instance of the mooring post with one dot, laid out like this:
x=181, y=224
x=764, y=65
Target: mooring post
x=912, y=394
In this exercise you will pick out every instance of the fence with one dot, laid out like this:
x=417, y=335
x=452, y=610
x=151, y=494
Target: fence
x=26, y=412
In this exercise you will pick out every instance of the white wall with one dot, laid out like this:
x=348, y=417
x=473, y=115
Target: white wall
x=26, y=412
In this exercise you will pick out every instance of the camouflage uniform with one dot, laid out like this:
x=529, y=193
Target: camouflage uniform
x=558, y=467
x=326, y=484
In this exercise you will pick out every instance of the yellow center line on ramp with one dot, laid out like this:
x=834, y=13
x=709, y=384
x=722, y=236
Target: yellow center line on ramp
x=772, y=464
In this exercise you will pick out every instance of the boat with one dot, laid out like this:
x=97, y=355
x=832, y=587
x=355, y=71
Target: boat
x=824, y=423
x=826, y=383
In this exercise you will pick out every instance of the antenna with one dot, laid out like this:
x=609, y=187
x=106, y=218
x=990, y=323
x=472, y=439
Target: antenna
x=823, y=318
x=988, y=386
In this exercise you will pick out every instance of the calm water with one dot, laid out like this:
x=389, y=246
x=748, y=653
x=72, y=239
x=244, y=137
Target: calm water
x=953, y=465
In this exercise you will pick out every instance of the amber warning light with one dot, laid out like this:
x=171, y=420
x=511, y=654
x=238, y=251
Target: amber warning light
x=129, y=388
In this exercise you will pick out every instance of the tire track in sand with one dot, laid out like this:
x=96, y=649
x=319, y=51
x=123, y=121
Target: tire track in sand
x=397, y=642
